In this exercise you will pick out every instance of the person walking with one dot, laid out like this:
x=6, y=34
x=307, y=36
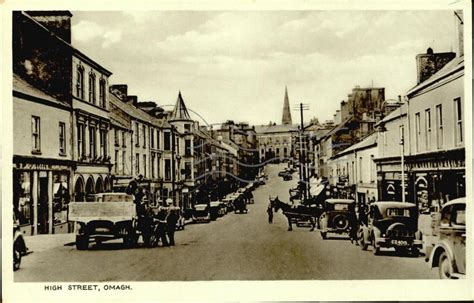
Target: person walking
x=270, y=213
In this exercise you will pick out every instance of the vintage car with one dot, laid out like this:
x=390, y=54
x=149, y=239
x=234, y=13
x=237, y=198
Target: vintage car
x=215, y=210
x=448, y=252
x=19, y=246
x=391, y=224
x=109, y=216
x=240, y=205
x=287, y=177
x=201, y=213
x=339, y=217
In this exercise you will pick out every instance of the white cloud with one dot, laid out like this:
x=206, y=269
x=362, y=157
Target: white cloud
x=85, y=31
x=111, y=37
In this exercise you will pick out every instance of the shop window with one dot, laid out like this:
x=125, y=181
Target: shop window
x=36, y=134
x=22, y=198
x=61, y=197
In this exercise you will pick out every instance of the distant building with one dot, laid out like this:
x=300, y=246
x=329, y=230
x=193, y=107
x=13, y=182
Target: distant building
x=276, y=142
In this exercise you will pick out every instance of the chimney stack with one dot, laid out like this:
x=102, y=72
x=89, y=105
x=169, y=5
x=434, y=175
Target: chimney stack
x=133, y=100
x=120, y=90
x=428, y=64
x=59, y=22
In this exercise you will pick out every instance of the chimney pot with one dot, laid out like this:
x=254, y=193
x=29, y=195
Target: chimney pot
x=429, y=51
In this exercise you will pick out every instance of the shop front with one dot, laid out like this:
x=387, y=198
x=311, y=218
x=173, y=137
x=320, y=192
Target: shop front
x=41, y=194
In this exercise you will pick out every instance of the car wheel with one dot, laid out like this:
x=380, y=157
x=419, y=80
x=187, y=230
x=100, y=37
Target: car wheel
x=82, y=242
x=16, y=258
x=415, y=252
x=445, y=267
x=324, y=235
x=375, y=247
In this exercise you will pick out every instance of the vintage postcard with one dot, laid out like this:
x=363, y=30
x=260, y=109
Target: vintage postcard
x=246, y=150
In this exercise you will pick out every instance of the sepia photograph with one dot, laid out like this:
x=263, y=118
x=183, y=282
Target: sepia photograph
x=249, y=145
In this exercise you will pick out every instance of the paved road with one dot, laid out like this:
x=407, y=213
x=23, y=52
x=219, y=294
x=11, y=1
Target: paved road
x=235, y=247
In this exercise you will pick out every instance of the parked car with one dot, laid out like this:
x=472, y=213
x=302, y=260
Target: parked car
x=287, y=177
x=391, y=224
x=448, y=252
x=19, y=246
x=339, y=217
x=201, y=213
x=109, y=216
x=282, y=173
x=215, y=208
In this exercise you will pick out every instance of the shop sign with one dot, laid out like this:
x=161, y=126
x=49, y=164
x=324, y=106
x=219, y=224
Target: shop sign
x=40, y=166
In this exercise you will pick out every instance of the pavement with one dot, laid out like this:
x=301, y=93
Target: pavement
x=234, y=247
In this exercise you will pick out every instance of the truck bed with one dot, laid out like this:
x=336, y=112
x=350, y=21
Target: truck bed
x=91, y=211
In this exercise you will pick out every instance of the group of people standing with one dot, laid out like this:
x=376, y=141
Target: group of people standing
x=155, y=225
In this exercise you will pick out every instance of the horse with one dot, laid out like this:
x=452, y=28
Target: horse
x=296, y=212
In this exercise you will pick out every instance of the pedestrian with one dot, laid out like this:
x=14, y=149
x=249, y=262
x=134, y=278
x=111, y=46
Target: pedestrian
x=171, y=220
x=270, y=213
x=161, y=228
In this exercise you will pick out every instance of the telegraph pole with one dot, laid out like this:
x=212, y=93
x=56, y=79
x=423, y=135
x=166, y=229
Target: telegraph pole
x=302, y=155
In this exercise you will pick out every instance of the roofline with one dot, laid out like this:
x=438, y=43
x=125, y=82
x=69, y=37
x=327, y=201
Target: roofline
x=429, y=82
x=82, y=55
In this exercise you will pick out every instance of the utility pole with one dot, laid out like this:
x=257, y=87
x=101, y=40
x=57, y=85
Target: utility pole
x=402, y=162
x=302, y=155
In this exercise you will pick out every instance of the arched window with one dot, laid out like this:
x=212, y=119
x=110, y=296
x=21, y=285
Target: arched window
x=80, y=82
x=102, y=93
x=92, y=88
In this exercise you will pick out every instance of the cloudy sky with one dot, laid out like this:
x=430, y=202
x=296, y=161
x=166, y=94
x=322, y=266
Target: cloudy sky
x=235, y=65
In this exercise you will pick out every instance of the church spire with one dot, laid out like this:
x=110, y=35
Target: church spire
x=286, y=110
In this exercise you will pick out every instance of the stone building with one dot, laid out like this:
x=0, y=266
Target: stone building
x=433, y=123
x=53, y=96
x=276, y=142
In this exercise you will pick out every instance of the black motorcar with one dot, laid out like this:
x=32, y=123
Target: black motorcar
x=391, y=224
x=339, y=217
